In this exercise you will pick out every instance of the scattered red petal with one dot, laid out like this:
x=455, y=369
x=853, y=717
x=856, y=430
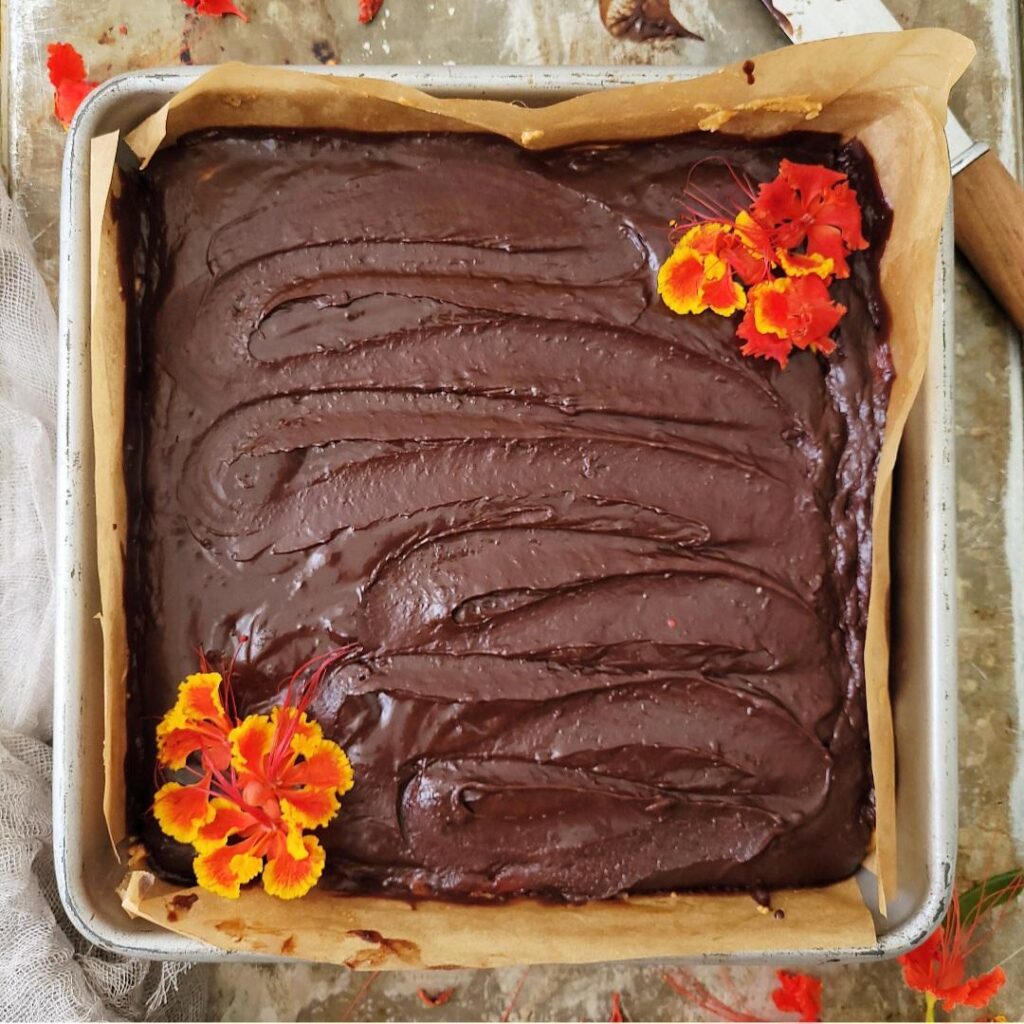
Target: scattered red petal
x=214, y=8
x=368, y=10
x=616, y=1014
x=123, y=29
x=64, y=64
x=798, y=993
x=439, y=999
x=67, y=75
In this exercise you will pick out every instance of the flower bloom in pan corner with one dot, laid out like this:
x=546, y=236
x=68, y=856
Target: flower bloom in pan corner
x=773, y=261
x=258, y=784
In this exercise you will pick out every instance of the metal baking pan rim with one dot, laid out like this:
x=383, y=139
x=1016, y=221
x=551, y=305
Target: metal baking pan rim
x=85, y=866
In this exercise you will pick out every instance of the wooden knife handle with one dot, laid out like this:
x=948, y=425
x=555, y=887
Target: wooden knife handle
x=989, y=214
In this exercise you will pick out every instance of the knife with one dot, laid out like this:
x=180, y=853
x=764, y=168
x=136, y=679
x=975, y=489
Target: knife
x=988, y=203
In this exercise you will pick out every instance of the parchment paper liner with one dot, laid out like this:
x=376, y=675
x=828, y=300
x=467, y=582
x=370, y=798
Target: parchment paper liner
x=890, y=91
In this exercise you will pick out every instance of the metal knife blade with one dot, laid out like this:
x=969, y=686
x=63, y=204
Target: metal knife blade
x=806, y=20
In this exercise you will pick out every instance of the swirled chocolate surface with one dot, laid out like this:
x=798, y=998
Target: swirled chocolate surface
x=608, y=577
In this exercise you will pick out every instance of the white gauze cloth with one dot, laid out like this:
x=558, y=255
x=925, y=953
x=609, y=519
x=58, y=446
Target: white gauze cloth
x=47, y=970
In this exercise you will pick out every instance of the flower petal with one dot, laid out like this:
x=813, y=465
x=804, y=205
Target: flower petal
x=68, y=98
x=721, y=293
x=777, y=204
x=679, y=282
x=825, y=242
x=199, y=696
x=175, y=745
x=980, y=990
x=309, y=808
x=696, y=277
x=323, y=776
x=798, y=993
x=799, y=264
x=771, y=308
x=198, y=708
x=811, y=208
x=288, y=877
x=798, y=310
x=303, y=730
x=917, y=964
x=326, y=766
x=750, y=250
x=226, y=869
x=251, y=740
x=226, y=820
x=764, y=345
x=181, y=810
x=811, y=181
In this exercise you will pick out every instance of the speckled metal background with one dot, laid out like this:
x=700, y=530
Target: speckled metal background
x=988, y=426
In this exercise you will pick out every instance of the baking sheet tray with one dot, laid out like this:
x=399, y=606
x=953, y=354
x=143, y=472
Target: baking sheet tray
x=923, y=676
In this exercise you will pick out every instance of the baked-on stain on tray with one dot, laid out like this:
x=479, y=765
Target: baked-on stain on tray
x=640, y=20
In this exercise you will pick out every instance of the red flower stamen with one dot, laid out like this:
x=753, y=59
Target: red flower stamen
x=616, y=1017
x=683, y=983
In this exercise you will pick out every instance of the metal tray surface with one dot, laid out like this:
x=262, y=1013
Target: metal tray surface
x=924, y=655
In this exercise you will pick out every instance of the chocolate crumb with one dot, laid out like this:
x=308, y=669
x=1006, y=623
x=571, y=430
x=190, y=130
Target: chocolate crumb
x=185, y=55
x=748, y=70
x=779, y=915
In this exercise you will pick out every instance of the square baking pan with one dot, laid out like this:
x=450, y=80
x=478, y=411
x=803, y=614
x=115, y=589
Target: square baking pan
x=923, y=670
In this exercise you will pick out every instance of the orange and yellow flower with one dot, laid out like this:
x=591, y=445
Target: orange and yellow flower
x=773, y=261
x=787, y=313
x=259, y=784
x=698, y=276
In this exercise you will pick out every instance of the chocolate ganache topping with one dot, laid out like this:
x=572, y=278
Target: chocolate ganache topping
x=608, y=578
